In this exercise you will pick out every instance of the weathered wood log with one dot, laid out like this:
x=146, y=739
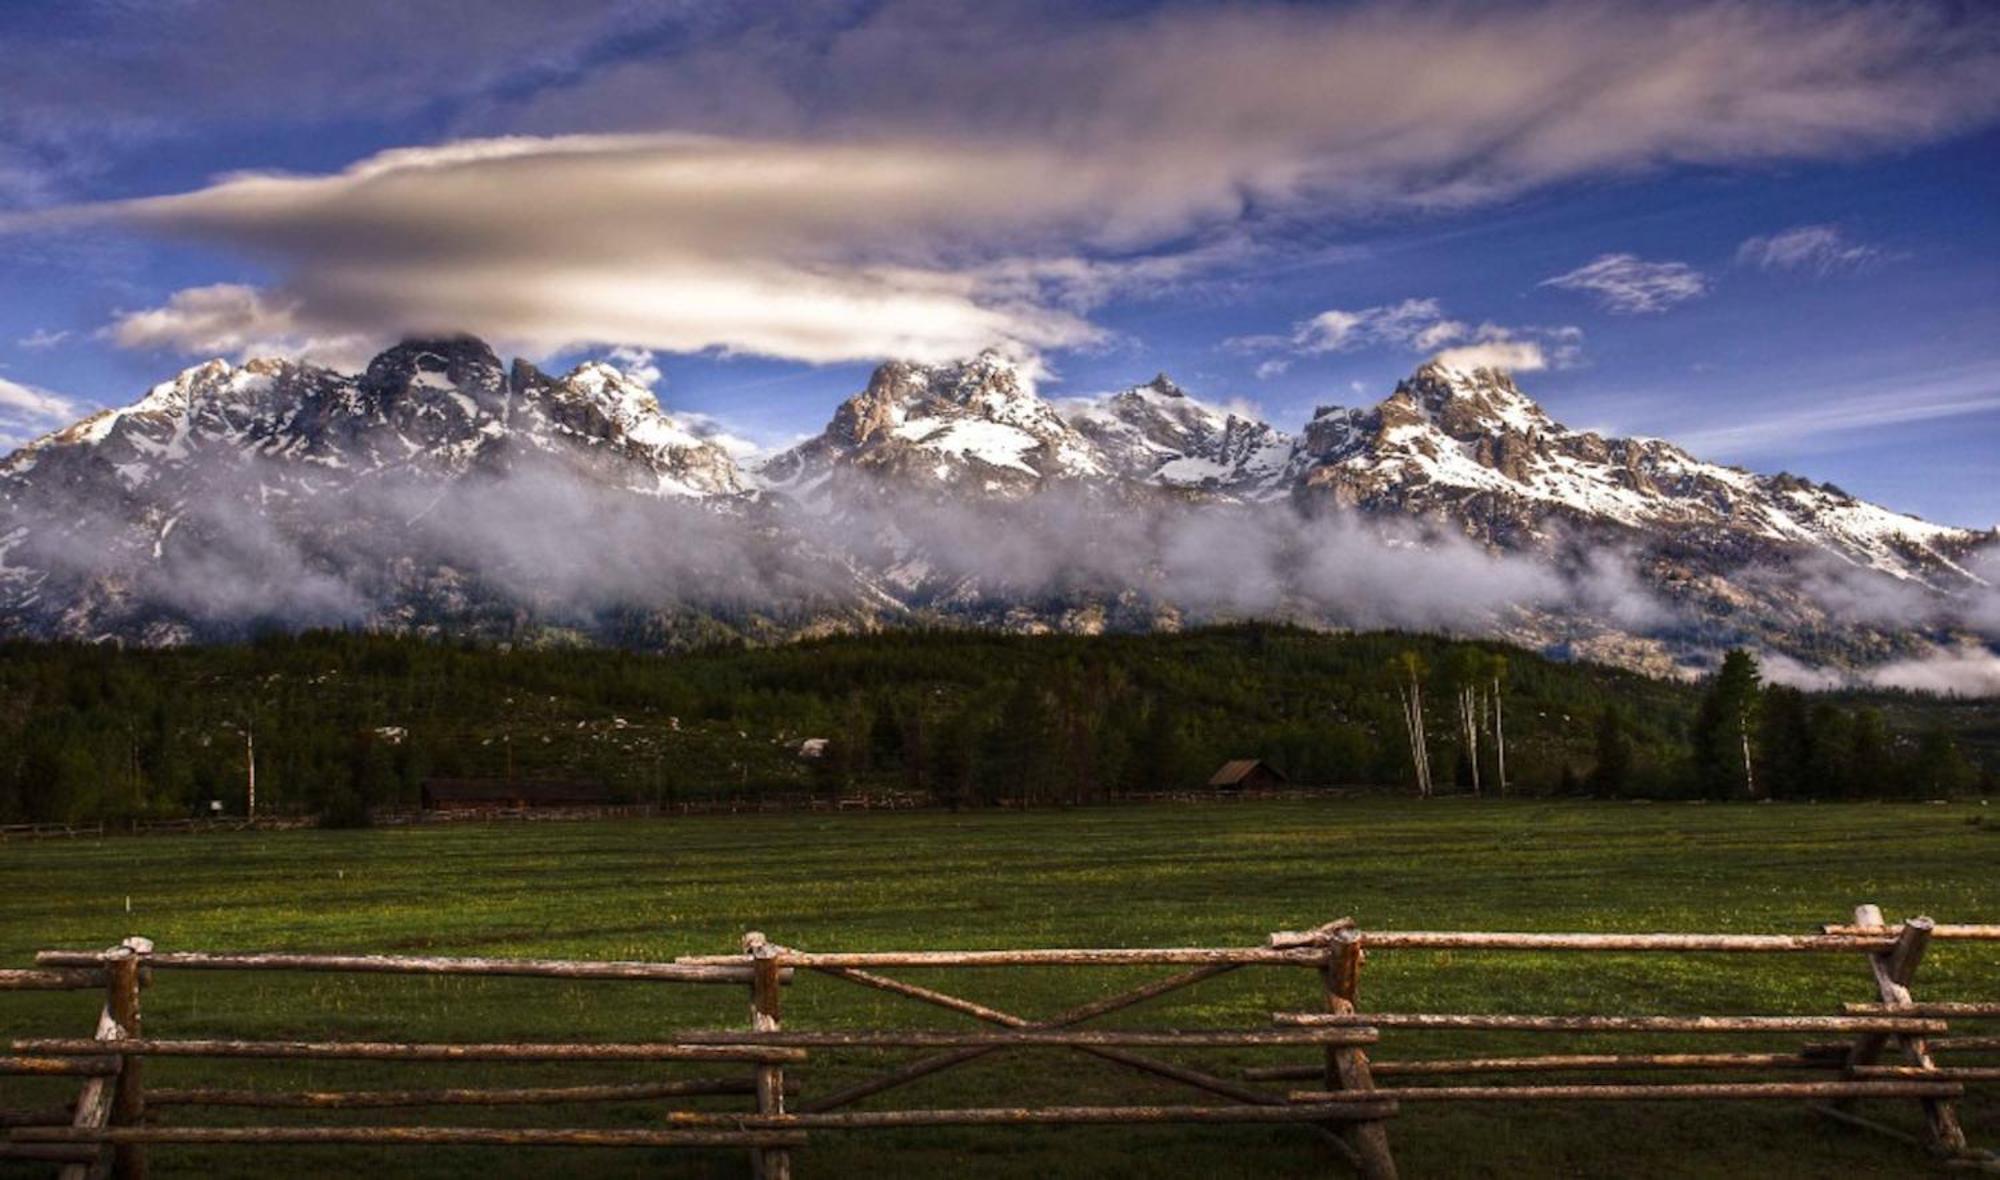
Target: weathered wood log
x=1956, y=1073
x=402, y=1051
x=1892, y=971
x=1615, y=1092
x=902, y=1075
x=1068, y=957
x=1318, y=936
x=93, y=1106
x=1347, y=1069
x=1150, y=990
x=1965, y=1044
x=68, y=980
x=1045, y=1115
x=382, y=1099
x=1561, y=1063
x=1527, y=941
x=1944, y=1009
x=1944, y=930
x=464, y=1136
x=80, y=1154
x=1702, y=1024
x=676, y=972
x=1030, y=1037
x=69, y=1067
x=1187, y=1075
x=923, y=995
x=765, y=1011
x=42, y=1116
x=128, y=1095
x=1854, y=1120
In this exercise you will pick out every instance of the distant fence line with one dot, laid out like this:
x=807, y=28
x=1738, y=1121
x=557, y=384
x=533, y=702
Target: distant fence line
x=112, y=1121
x=746, y=803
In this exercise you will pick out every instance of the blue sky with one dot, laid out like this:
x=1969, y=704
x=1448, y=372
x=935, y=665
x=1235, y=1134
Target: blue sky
x=1768, y=230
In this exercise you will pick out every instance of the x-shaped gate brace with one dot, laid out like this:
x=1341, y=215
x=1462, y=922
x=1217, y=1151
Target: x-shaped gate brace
x=938, y=1062
x=1893, y=969
x=1333, y=949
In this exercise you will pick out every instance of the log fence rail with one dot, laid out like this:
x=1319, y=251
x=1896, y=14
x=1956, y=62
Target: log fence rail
x=115, y=1116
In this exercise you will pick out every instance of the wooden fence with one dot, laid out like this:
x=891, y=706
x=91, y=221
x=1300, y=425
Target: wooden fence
x=113, y=1118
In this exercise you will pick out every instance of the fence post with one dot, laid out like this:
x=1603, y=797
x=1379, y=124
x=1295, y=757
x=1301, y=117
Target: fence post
x=767, y=1163
x=1347, y=1066
x=128, y=1102
x=1893, y=969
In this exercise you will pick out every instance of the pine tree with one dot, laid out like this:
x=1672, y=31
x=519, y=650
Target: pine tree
x=1784, y=743
x=1612, y=774
x=1722, y=751
x=1869, y=765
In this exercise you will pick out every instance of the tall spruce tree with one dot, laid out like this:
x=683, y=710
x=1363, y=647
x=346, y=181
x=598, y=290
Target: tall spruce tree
x=1722, y=749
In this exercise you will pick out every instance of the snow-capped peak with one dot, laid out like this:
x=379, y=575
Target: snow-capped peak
x=1158, y=433
x=1468, y=443
x=977, y=424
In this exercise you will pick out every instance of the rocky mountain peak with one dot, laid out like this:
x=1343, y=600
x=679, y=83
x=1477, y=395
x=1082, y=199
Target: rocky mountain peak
x=1467, y=402
x=463, y=363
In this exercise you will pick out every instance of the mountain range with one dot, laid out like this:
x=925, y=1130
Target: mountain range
x=442, y=491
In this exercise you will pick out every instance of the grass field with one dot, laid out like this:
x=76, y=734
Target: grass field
x=1162, y=875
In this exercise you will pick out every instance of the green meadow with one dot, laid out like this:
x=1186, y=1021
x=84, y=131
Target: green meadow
x=1164, y=875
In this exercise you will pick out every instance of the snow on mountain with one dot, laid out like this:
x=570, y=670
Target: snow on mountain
x=1468, y=445
x=248, y=464
x=439, y=489
x=974, y=427
x=1157, y=433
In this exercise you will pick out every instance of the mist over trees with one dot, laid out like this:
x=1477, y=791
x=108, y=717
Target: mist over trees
x=348, y=723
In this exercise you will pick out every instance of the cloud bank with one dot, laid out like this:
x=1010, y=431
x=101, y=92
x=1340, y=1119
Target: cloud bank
x=836, y=189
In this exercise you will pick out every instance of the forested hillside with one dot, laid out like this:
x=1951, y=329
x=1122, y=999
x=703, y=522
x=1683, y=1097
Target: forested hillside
x=342, y=723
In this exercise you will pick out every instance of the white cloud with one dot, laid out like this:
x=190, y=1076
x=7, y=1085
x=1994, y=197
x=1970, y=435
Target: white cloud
x=1820, y=249
x=1419, y=326
x=740, y=446
x=1277, y=366
x=1630, y=285
x=42, y=338
x=1520, y=356
x=27, y=412
x=866, y=186
x=1779, y=668
x=236, y=320
x=1962, y=671
x=639, y=364
x=1417, y=323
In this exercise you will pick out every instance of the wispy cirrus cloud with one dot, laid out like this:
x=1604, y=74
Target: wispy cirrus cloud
x=1819, y=249
x=42, y=338
x=1629, y=285
x=1800, y=423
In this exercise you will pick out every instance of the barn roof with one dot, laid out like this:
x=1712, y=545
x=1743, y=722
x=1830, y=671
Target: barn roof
x=1238, y=769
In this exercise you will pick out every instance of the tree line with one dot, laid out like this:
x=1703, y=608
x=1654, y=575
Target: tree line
x=341, y=724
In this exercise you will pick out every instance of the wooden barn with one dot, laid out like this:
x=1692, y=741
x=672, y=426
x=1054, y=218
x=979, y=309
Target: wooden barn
x=1247, y=774
x=491, y=794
